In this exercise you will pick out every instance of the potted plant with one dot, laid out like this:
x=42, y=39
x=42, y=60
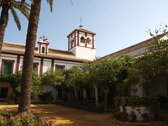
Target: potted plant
x=124, y=115
x=145, y=117
x=159, y=116
x=133, y=116
x=117, y=115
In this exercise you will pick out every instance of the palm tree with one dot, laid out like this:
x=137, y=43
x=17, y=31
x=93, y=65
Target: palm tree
x=11, y=5
x=25, y=97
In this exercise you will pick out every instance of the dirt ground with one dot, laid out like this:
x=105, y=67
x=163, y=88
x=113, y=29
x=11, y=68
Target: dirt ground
x=73, y=117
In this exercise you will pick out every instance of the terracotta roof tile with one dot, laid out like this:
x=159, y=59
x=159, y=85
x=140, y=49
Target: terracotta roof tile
x=82, y=30
x=21, y=46
x=8, y=44
x=59, y=52
x=45, y=56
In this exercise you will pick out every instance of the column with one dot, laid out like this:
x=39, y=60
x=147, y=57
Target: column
x=96, y=95
x=84, y=93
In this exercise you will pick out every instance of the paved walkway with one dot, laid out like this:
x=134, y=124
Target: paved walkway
x=73, y=117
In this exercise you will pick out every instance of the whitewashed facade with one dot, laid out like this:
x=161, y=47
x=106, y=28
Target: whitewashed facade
x=11, y=60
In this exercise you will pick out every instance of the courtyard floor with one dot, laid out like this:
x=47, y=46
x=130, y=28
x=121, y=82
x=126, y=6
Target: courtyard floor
x=66, y=116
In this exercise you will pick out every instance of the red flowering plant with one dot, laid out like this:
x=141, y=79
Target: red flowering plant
x=3, y=121
x=27, y=119
x=45, y=122
x=15, y=121
x=12, y=118
x=8, y=112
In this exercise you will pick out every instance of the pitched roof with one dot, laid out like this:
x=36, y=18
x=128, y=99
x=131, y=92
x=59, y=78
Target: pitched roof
x=59, y=51
x=82, y=30
x=52, y=53
x=134, y=47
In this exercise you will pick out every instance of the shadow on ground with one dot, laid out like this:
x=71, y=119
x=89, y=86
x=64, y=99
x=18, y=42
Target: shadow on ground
x=66, y=116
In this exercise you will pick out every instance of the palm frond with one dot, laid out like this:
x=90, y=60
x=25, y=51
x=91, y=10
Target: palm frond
x=50, y=2
x=24, y=5
x=16, y=18
x=24, y=12
x=24, y=9
x=22, y=2
x=71, y=2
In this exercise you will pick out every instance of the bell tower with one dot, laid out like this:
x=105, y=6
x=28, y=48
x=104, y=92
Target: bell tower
x=43, y=45
x=81, y=43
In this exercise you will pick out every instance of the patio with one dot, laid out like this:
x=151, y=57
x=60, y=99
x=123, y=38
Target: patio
x=66, y=116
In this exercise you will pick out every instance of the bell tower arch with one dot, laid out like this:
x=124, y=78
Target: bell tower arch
x=81, y=43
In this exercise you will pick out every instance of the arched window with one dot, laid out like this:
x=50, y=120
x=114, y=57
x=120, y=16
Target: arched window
x=43, y=49
x=82, y=39
x=88, y=41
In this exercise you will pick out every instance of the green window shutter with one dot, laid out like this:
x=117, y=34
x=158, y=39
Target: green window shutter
x=60, y=67
x=7, y=67
x=43, y=49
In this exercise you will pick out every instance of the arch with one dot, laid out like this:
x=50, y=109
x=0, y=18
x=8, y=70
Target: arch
x=82, y=39
x=43, y=49
x=88, y=41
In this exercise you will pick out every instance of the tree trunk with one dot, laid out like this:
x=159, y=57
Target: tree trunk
x=3, y=24
x=76, y=94
x=84, y=93
x=96, y=95
x=167, y=87
x=106, y=91
x=25, y=97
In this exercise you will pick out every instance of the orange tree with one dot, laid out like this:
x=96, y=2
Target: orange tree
x=15, y=82
x=155, y=59
x=77, y=78
x=106, y=73
x=152, y=63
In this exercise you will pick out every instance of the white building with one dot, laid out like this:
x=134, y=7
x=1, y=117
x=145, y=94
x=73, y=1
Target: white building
x=158, y=85
x=81, y=48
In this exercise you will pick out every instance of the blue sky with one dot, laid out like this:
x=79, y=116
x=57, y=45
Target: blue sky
x=117, y=23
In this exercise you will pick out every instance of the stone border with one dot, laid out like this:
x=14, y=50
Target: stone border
x=136, y=123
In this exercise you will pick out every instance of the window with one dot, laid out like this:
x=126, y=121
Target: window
x=3, y=93
x=60, y=67
x=88, y=41
x=35, y=66
x=7, y=66
x=82, y=39
x=43, y=49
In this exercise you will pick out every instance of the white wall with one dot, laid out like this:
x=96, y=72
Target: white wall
x=37, y=60
x=46, y=65
x=85, y=53
x=137, y=90
x=136, y=52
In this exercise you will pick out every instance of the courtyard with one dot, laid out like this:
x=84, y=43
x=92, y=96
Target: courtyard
x=66, y=116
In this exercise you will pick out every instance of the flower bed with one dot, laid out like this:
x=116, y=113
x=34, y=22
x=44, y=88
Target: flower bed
x=137, y=108
x=138, y=112
x=12, y=118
